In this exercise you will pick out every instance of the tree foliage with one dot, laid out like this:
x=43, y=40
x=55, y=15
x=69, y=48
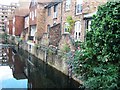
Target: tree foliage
x=98, y=61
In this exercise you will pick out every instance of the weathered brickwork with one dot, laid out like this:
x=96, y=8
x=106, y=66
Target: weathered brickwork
x=55, y=35
x=10, y=26
x=19, y=26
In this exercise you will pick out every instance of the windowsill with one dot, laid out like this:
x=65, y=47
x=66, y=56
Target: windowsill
x=30, y=42
x=77, y=40
x=78, y=14
x=67, y=10
x=66, y=33
x=55, y=18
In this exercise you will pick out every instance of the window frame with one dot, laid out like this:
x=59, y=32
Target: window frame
x=67, y=5
x=55, y=10
x=49, y=11
x=77, y=32
x=78, y=7
x=65, y=27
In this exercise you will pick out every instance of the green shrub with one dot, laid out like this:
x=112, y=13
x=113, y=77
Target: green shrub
x=98, y=61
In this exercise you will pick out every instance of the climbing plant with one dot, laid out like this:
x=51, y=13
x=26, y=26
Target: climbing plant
x=98, y=61
x=70, y=22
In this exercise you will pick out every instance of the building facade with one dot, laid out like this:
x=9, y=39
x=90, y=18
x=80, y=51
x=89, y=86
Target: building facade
x=5, y=11
x=48, y=20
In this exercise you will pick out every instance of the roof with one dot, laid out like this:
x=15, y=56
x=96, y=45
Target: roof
x=21, y=11
x=47, y=2
x=51, y=4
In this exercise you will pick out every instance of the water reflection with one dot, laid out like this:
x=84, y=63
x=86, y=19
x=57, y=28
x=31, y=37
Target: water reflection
x=11, y=72
x=7, y=80
x=29, y=72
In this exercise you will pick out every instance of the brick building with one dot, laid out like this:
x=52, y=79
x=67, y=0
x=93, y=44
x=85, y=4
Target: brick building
x=49, y=17
x=77, y=9
x=53, y=22
x=9, y=25
x=18, y=21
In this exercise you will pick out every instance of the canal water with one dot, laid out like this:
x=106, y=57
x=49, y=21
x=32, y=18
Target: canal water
x=19, y=69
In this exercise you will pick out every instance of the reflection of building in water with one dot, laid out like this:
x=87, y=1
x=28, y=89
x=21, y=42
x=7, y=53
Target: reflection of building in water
x=9, y=53
x=18, y=70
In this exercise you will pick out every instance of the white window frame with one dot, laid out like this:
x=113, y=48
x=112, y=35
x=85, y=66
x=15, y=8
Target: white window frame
x=30, y=14
x=55, y=11
x=65, y=27
x=13, y=30
x=77, y=32
x=89, y=24
x=78, y=9
x=49, y=11
x=8, y=30
x=67, y=5
x=13, y=20
x=35, y=12
x=33, y=30
x=33, y=15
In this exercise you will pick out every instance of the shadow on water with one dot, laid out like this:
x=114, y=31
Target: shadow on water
x=38, y=73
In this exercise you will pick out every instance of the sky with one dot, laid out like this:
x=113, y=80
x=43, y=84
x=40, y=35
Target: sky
x=7, y=2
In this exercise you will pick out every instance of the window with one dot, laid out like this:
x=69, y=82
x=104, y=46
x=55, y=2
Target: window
x=13, y=20
x=33, y=30
x=49, y=11
x=7, y=22
x=77, y=32
x=13, y=30
x=55, y=8
x=87, y=24
x=66, y=28
x=48, y=28
x=55, y=11
x=35, y=13
x=67, y=5
x=8, y=30
x=32, y=15
x=78, y=7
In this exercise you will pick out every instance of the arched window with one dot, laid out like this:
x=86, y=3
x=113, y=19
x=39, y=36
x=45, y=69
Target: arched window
x=77, y=32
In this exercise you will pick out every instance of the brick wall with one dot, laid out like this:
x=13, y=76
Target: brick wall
x=40, y=20
x=66, y=40
x=49, y=19
x=89, y=6
x=32, y=10
x=19, y=25
x=55, y=35
x=10, y=26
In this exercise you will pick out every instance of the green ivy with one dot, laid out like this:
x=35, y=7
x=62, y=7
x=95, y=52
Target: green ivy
x=71, y=22
x=98, y=61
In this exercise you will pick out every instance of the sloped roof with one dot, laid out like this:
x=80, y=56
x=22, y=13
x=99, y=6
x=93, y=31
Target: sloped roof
x=46, y=2
x=21, y=11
